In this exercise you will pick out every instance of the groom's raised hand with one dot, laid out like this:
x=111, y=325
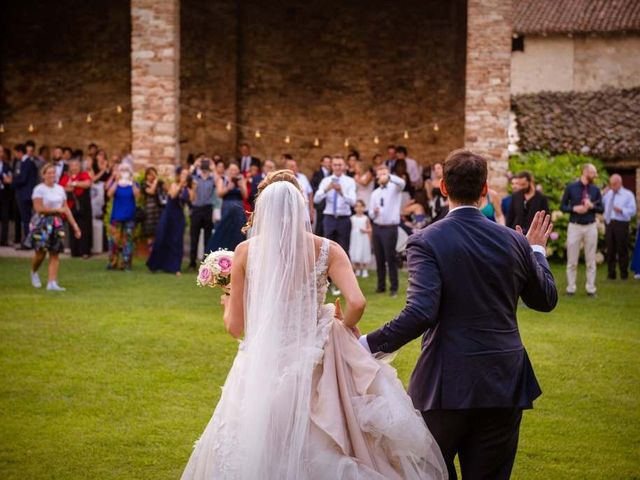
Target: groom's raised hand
x=540, y=229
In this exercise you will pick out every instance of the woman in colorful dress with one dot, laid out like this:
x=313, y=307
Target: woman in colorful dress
x=47, y=229
x=124, y=192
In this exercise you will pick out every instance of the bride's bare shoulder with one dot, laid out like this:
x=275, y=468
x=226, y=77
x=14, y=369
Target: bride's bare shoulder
x=335, y=250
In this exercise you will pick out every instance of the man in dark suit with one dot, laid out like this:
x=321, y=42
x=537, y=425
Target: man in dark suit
x=466, y=273
x=318, y=176
x=246, y=160
x=25, y=179
x=525, y=202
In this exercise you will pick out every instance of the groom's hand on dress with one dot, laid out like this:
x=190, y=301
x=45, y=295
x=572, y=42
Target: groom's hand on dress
x=540, y=229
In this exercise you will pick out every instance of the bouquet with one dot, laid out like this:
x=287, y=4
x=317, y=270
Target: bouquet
x=215, y=270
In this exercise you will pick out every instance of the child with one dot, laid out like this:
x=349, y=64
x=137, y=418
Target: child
x=360, y=245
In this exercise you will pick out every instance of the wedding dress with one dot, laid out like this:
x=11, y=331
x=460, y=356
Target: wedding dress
x=303, y=399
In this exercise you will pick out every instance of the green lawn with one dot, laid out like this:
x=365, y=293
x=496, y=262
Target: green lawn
x=118, y=376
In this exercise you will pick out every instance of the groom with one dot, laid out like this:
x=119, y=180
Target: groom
x=473, y=377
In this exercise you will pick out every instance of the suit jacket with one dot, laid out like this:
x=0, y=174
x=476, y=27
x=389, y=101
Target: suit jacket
x=522, y=213
x=254, y=161
x=25, y=178
x=465, y=276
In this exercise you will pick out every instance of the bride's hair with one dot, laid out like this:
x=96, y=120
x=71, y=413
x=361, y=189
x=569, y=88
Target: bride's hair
x=273, y=177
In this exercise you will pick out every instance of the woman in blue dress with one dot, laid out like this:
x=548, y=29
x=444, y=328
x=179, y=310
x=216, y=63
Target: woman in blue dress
x=168, y=247
x=232, y=188
x=635, y=260
x=124, y=192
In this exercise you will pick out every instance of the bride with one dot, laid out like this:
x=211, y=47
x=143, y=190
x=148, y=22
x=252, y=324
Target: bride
x=303, y=399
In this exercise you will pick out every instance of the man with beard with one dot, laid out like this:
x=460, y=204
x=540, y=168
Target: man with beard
x=525, y=202
x=582, y=200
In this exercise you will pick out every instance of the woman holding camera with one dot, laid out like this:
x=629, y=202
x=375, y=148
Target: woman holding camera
x=124, y=192
x=47, y=232
x=232, y=188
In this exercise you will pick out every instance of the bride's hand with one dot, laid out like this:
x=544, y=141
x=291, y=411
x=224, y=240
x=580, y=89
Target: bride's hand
x=340, y=316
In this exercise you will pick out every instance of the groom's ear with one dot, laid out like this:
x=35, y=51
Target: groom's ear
x=485, y=189
x=443, y=188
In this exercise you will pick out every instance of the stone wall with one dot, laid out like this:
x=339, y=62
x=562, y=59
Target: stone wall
x=563, y=64
x=59, y=63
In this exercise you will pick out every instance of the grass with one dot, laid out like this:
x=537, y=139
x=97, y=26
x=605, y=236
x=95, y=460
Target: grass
x=118, y=376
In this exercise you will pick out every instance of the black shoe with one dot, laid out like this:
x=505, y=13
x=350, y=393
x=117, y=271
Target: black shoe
x=611, y=277
x=381, y=290
x=570, y=294
x=591, y=295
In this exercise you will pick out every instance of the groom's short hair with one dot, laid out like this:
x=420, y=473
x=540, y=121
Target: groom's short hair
x=465, y=174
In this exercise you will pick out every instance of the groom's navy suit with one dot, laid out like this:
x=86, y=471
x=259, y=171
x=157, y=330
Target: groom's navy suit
x=473, y=376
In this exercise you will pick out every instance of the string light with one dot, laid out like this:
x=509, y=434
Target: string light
x=316, y=142
x=59, y=124
x=119, y=109
x=436, y=127
x=1, y=127
x=406, y=134
x=89, y=119
x=376, y=140
x=258, y=134
x=346, y=142
x=199, y=115
x=287, y=139
x=31, y=128
x=228, y=126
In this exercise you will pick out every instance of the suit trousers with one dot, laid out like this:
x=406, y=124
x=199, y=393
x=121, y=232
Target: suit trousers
x=485, y=440
x=338, y=229
x=578, y=235
x=617, y=238
x=384, y=248
x=26, y=210
x=201, y=219
x=5, y=215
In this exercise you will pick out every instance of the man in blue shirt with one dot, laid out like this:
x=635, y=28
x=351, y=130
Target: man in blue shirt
x=619, y=208
x=582, y=200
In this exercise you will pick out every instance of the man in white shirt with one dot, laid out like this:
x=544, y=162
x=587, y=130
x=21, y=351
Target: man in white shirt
x=307, y=191
x=619, y=209
x=339, y=191
x=384, y=210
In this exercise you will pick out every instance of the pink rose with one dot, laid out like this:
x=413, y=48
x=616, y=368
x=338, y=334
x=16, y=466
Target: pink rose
x=204, y=275
x=554, y=236
x=225, y=265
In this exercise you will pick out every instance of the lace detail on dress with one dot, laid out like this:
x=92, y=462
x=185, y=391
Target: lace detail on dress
x=322, y=264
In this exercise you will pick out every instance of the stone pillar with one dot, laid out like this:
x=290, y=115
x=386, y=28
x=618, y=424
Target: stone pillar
x=487, y=90
x=155, y=86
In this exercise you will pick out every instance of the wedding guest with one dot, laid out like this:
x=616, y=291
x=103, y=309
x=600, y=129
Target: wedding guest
x=323, y=172
x=49, y=202
x=491, y=207
x=59, y=162
x=438, y=205
x=352, y=159
x=77, y=184
x=385, y=214
x=25, y=178
x=526, y=201
x=414, y=172
x=201, y=194
x=15, y=210
x=619, y=208
x=360, y=242
x=506, y=201
x=39, y=161
x=254, y=178
x=364, y=183
x=635, y=261
x=246, y=159
x=124, y=192
x=153, y=200
x=232, y=189
x=6, y=194
x=89, y=160
x=414, y=216
x=307, y=191
x=391, y=160
x=582, y=200
x=339, y=191
x=99, y=177
x=166, y=254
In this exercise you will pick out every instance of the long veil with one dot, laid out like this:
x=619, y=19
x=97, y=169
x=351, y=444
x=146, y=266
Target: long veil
x=280, y=322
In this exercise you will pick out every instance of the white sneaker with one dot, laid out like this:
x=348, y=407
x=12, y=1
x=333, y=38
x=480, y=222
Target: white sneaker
x=365, y=274
x=335, y=292
x=54, y=287
x=637, y=276
x=35, y=280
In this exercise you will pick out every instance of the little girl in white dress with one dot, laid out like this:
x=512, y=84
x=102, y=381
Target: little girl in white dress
x=360, y=244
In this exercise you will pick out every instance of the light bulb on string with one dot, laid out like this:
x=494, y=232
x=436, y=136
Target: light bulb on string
x=346, y=142
x=287, y=139
x=199, y=115
x=59, y=124
x=436, y=127
x=89, y=118
x=406, y=134
x=119, y=109
x=316, y=142
x=31, y=128
x=228, y=126
x=376, y=140
x=258, y=134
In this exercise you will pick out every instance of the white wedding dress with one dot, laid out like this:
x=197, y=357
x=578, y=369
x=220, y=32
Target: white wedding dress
x=301, y=404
